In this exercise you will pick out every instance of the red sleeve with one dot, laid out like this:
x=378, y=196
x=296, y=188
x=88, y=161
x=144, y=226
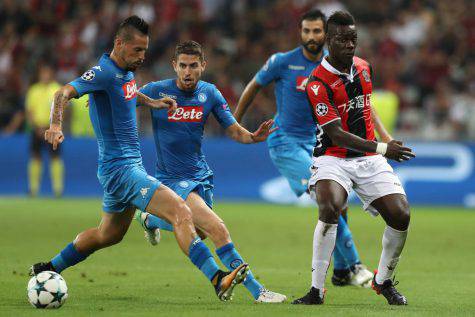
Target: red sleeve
x=322, y=107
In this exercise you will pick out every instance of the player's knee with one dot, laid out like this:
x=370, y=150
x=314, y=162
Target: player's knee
x=182, y=212
x=328, y=211
x=403, y=215
x=219, y=232
x=111, y=238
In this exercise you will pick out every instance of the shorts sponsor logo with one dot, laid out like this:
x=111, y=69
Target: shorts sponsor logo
x=130, y=89
x=321, y=109
x=301, y=83
x=88, y=75
x=187, y=114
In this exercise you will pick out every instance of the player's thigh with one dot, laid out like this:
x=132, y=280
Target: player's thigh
x=330, y=195
x=203, y=216
x=293, y=162
x=114, y=225
x=394, y=208
x=166, y=204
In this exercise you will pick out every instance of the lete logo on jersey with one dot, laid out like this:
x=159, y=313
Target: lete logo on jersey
x=187, y=114
x=130, y=89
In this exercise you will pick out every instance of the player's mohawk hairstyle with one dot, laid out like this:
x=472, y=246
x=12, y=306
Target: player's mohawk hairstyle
x=189, y=48
x=313, y=15
x=132, y=23
x=339, y=18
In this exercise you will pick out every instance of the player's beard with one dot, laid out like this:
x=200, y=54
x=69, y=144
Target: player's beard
x=315, y=51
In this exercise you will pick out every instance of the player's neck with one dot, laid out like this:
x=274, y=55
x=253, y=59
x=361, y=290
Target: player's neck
x=312, y=57
x=117, y=60
x=342, y=68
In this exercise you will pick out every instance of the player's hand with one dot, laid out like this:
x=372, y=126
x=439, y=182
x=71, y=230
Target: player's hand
x=396, y=151
x=264, y=130
x=54, y=135
x=165, y=103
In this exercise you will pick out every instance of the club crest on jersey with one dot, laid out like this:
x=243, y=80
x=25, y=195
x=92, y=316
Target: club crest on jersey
x=301, y=83
x=321, y=109
x=130, y=89
x=202, y=97
x=88, y=75
x=187, y=114
x=366, y=76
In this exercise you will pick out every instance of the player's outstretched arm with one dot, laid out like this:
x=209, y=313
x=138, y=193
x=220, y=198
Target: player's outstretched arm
x=54, y=135
x=162, y=103
x=380, y=128
x=241, y=135
x=393, y=150
x=246, y=99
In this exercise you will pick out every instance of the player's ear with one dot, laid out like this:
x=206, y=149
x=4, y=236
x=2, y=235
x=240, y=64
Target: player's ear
x=174, y=64
x=203, y=65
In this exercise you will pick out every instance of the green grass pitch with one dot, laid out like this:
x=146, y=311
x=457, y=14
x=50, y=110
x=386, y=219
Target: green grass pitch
x=135, y=279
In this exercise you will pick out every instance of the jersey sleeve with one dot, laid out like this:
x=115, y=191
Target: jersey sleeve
x=323, y=108
x=92, y=80
x=270, y=71
x=221, y=110
x=146, y=90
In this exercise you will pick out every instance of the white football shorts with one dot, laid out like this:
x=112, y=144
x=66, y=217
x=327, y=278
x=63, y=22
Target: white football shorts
x=371, y=177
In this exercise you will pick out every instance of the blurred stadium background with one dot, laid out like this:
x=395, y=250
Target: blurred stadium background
x=422, y=53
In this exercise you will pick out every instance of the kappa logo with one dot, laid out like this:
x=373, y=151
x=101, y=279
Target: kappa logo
x=144, y=191
x=321, y=109
x=301, y=83
x=98, y=68
x=187, y=114
x=130, y=89
x=88, y=75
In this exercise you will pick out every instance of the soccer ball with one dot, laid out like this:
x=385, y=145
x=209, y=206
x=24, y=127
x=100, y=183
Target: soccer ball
x=47, y=290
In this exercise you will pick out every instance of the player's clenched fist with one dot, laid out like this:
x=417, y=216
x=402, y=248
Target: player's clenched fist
x=396, y=151
x=54, y=135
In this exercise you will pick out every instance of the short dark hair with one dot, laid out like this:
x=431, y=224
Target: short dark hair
x=312, y=15
x=189, y=48
x=339, y=18
x=132, y=23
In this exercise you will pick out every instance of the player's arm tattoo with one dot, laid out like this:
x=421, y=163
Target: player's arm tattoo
x=60, y=100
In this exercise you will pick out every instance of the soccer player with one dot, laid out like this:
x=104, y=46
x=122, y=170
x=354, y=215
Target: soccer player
x=290, y=147
x=348, y=156
x=181, y=164
x=38, y=103
x=112, y=107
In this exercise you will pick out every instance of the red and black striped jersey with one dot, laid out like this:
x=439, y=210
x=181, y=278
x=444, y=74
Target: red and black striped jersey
x=337, y=96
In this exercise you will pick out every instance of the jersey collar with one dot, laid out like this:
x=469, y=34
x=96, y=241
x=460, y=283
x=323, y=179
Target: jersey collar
x=325, y=64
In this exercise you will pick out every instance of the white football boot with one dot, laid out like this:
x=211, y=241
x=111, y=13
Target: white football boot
x=152, y=236
x=361, y=276
x=267, y=296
